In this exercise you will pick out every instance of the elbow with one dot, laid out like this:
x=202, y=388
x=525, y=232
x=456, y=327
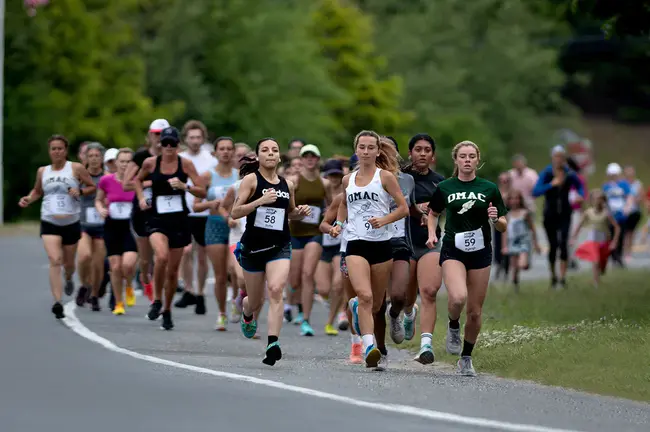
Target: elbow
x=403, y=211
x=323, y=228
x=235, y=214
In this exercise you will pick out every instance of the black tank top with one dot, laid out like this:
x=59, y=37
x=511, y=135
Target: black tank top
x=167, y=201
x=268, y=226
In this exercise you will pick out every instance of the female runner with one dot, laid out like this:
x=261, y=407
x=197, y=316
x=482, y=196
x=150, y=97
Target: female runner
x=60, y=186
x=168, y=225
x=267, y=202
x=472, y=204
x=369, y=254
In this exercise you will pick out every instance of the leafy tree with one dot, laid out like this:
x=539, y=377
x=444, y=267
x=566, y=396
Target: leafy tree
x=621, y=17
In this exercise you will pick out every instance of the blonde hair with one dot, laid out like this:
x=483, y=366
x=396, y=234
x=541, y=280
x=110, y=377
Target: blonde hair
x=456, y=149
x=387, y=157
x=124, y=150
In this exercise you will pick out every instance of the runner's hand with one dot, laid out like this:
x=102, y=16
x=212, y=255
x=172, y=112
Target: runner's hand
x=424, y=219
x=612, y=246
x=214, y=205
x=232, y=223
x=376, y=222
x=335, y=231
x=304, y=210
x=492, y=212
x=431, y=241
x=103, y=212
x=269, y=197
x=74, y=192
x=176, y=183
x=25, y=201
x=144, y=205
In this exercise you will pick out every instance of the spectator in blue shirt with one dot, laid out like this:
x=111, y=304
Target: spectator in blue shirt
x=620, y=201
x=554, y=183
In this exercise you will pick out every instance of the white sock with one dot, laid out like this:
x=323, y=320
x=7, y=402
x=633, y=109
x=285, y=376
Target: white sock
x=425, y=339
x=367, y=339
x=410, y=315
x=356, y=339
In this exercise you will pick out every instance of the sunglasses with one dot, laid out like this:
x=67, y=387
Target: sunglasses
x=169, y=143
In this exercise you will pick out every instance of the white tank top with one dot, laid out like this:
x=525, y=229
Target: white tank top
x=203, y=161
x=238, y=231
x=58, y=207
x=364, y=203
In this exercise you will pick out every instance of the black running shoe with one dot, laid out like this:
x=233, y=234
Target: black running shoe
x=187, y=299
x=154, y=310
x=57, y=310
x=111, y=301
x=81, y=296
x=288, y=315
x=273, y=354
x=167, y=323
x=68, y=287
x=94, y=304
x=200, y=305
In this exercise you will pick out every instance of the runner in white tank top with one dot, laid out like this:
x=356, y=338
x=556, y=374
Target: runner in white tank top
x=367, y=210
x=59, y=185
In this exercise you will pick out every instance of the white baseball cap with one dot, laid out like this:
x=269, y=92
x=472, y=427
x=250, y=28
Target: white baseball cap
x=558, y=149
x=111, y=154
x=309, y=148
x=614, y=169
x=158, y=125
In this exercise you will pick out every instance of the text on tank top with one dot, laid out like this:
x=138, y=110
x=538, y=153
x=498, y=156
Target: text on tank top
x=58, y=207
x=268, y=225
x=364, y=203
x=89, y=214
x=166, y=200
x=311, y=193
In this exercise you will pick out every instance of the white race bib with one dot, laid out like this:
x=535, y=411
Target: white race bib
x=616, y=204
x=169, y=204
x=470, y=241
x=120, y=210
x=148, y=194
x=59, y=204
x=93, y=217
x=314, y=216
x=399, y=228
x=365, y=229
x=270, y=218
x=328, y=240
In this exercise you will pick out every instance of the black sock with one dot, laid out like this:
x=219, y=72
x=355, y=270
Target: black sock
x=383, y=350
x=272, y=339
x=299, y=307
x=454, y=324
x=467, y=348
x=248, y=318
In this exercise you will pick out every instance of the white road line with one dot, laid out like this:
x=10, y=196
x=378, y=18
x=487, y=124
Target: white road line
x=77, y=326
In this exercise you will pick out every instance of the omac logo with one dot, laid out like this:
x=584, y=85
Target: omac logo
x=279, y=193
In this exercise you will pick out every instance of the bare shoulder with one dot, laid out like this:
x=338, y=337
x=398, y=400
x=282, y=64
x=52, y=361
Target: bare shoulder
x=346, y=179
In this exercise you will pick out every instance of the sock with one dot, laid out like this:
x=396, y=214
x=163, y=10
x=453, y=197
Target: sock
x=454, y=324
x=409, y=315
x=467, y=348
x=299, y=307
x=272, y=339
x=368, y=340
x=393, y=315
x=356, y=339
x=247, y=318
x=425, y=339
x=383, y=350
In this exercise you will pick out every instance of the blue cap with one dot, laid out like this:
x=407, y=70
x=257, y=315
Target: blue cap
x=353, y=161
x=170, y=134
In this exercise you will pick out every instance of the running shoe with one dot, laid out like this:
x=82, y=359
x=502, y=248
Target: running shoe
x=409, y=324
x=273, y=354
x=353, y=304
x=288, y=314
x=154, y=310
x=80, y=300
x=248, y=328
x=453, y=341
x=130, y=296
x=69, y=287
x=119, y=309
x=330, y=330
x=167, y=323
x=148, y=291
x=425, y=355
x=373, y=355
x=465, y=366
x=94, y=304
x=397, y=331
x=235, y=312
x=187, y=299
x=343, y=321
x=200, y=308
x=299, y=319
x=222, y=323
x=356, y=353
x=305, y=329
x=382, y=365
x=57, y=310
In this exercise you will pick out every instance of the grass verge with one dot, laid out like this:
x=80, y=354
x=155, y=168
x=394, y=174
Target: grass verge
x=595, y=340
x=20, y=229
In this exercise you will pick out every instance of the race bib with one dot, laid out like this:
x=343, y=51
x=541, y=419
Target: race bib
x=148, y=195
x=93, y=217
x=120, y=210
x=365, y=229
x=399, y=228
x=470, y=241
x=59, y=204
x=616, y=204
x=169, y=204
x=328, y=240
x=314, y=217
x=270, y=218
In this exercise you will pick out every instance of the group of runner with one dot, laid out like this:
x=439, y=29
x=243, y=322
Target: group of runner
x=356, y=235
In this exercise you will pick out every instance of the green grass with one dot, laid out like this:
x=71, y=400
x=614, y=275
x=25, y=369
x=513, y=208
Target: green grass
x=596, y=340
x=24, y=228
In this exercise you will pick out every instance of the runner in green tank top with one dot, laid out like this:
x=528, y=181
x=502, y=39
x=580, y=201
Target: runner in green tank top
x=306, y=238
x=472, y=204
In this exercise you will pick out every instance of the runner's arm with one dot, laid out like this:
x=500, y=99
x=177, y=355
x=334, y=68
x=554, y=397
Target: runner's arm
x=330, y=214
x=246, y=188
x=198, y=188
x=85, y=178
x=145, y=170
x=294, y=212
x=389, y=180
x=342, y=213
x=201, y=205
x=37, y=190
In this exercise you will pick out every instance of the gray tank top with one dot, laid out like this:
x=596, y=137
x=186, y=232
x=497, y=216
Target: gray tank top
x=89, y=215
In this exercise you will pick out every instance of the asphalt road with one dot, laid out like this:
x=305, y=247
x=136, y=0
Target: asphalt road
x=106, y=373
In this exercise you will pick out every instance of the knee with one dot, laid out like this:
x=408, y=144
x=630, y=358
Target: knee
x=474, y=314
x=456, y=300
x=428, y=293
x=84, y=257
x=162, y=258
x=128, y=268
x=307, y=274
x=56, y=261
x=365, y=298
x=275, y=291
x=116, y=267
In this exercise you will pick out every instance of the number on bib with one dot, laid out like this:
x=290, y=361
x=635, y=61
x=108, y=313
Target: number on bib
x=314, y=216
x=365, y=229
x=169, y=204
x=470, y=241
x=269, y=218
x=58, y=204
x=120, y=210
x=93, y=217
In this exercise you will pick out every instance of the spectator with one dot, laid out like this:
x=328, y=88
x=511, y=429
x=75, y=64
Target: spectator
x=523, y=179
x=294, y=148
x=502, y=261
x=636, y=188
x=620, y=202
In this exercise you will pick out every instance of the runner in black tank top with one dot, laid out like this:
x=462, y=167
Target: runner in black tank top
x=264, y=253
x=168, y=224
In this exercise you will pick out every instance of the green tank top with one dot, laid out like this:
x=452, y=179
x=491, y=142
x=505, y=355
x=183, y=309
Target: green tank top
x=311, y=193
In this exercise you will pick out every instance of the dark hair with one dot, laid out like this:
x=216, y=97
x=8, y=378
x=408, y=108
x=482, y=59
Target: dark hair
x=408, y=168
x=223, y=138
x=294, y=140
x=58, y=138
x=250, y=164
x=394, y=142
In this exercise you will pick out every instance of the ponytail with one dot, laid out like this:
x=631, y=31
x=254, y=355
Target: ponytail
x=388, y=158
x=248, y=165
